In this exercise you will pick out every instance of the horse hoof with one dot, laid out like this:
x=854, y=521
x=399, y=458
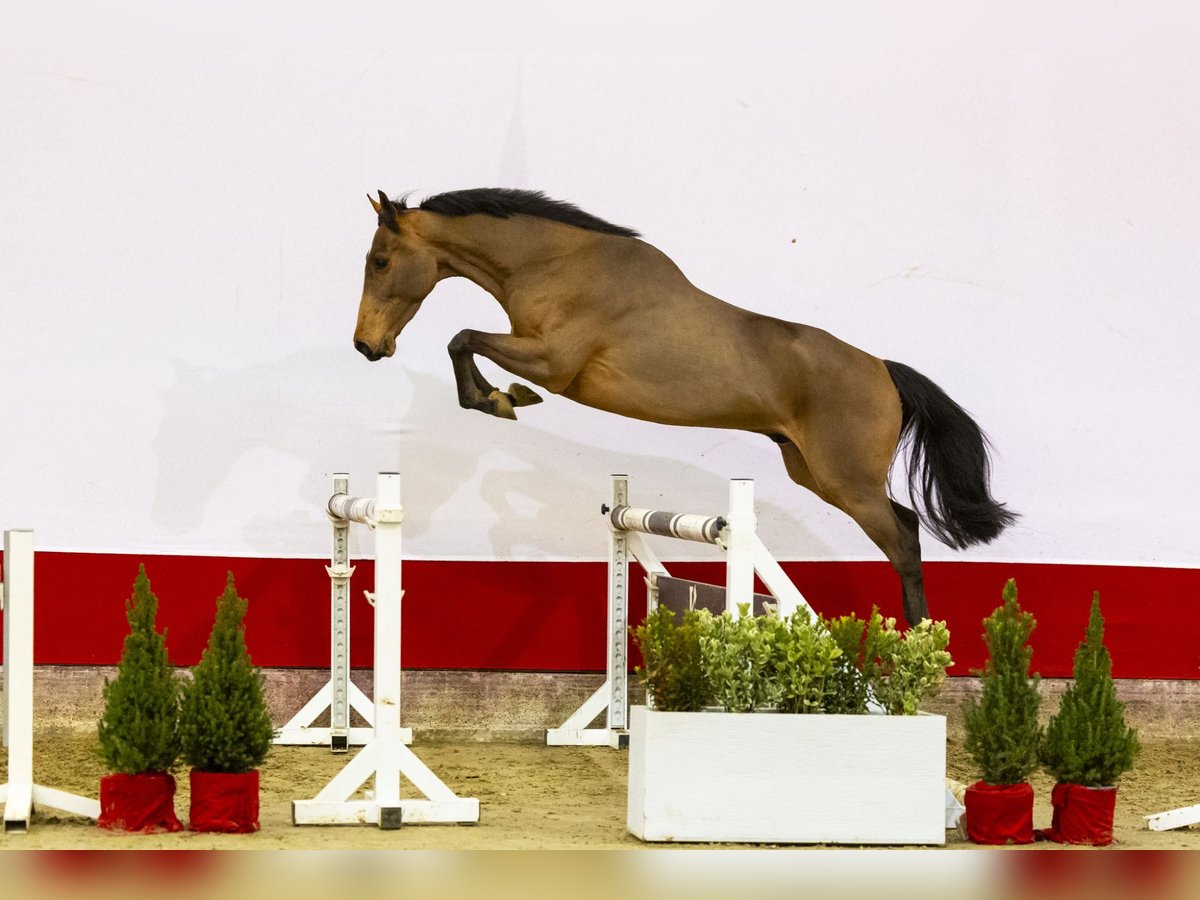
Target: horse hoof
x=501, y=406
x=522, y=396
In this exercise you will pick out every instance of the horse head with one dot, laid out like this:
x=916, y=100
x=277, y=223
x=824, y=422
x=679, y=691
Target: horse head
x=401, y=270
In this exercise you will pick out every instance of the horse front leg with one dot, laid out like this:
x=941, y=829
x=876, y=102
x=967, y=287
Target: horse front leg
x=475, y=391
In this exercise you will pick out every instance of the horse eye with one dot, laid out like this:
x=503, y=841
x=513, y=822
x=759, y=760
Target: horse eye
x=379, y=262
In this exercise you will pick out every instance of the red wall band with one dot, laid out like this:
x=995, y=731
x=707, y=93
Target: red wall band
x=550, y=616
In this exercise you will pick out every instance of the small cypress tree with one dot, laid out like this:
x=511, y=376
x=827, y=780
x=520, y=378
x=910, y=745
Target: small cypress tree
x=138, y=730
x=1087, y=741
x=1002, y=727
x=224, y=725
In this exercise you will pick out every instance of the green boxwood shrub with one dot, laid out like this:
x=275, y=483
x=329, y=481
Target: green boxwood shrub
x=805, y=660
x=671, y=670
x=800, y=664
x=737, y=657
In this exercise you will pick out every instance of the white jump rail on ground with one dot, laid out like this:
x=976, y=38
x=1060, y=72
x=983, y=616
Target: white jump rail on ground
x=384, y=756
x=20, y=795
x=1183, y=817
x=340, y=696
x=745, y=556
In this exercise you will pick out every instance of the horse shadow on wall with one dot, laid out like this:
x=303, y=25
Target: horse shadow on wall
x=283, y=426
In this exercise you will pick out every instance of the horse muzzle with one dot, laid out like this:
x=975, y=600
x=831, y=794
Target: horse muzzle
x=369, y=352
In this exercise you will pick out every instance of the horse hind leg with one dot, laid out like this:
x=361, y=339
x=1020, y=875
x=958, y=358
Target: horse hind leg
x=911, y=577
x=891, y=527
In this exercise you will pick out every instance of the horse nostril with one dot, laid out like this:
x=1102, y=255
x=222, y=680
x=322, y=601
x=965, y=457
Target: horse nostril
x=366, y=351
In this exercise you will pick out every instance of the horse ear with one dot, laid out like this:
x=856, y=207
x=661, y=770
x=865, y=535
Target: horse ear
x=375, y=204
x=387, y=211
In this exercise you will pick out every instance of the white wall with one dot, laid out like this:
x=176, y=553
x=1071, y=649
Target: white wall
x=182, y=235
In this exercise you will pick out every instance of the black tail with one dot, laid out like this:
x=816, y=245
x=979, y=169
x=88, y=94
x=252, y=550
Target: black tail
x=949, y=463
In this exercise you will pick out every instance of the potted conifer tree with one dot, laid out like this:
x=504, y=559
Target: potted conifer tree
x=138, y=731
x=1002, y=729
x=224, y=727
x=1088, y=745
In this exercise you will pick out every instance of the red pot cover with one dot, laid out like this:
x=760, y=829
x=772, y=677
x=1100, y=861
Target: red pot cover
x=142, y=803
x=1082, y=815
x=224, y=802
x=999, y=813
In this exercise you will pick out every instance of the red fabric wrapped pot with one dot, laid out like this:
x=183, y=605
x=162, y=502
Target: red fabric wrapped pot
x=1082, y=815
x=224, y=802
x=999, y=813
x=143, y=803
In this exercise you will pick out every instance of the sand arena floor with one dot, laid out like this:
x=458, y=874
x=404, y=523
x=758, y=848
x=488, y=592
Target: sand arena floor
x=537, y=797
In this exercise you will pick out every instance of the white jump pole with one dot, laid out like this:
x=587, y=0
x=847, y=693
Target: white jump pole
x=745, y=556
x=385, y=758
x=21, y=794
x=1184, y=817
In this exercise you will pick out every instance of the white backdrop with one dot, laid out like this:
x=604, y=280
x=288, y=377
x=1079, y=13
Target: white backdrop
x=182, y=236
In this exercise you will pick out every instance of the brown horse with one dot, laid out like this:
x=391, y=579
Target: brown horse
x=609, y=321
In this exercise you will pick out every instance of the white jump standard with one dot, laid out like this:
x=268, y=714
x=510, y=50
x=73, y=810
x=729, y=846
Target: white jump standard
x=745, y=556
x=340, y=695
x=20, y=795
x=385, y=755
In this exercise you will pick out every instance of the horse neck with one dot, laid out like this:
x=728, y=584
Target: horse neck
x=491, y=251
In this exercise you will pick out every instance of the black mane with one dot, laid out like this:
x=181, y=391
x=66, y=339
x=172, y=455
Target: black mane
x=505, y=202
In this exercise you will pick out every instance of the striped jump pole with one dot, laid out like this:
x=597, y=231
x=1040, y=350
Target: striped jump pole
x=684, y=526
x=734, y=533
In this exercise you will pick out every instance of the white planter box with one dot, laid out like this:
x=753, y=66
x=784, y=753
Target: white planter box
x=775, y=778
